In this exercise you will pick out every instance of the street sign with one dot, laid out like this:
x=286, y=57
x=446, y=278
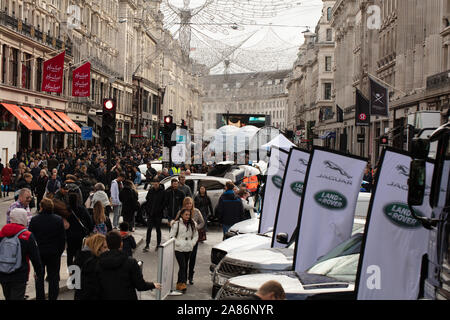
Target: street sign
x=86, y=133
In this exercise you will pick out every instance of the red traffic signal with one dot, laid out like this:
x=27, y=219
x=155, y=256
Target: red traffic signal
x=109, y=104
x=168, y=120
x=384, y=140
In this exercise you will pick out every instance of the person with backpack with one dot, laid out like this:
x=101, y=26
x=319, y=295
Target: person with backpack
x=185, y=233
x=48, y=229
x=17, y=247
x=102, y=223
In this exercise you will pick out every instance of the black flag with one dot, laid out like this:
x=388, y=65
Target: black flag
x=379, y=99
x=340, y=114
x=362, y=112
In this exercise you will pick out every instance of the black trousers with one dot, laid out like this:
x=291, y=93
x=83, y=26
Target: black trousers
x=51, y=264
x=192, y=261
x=14, y=290
x=150, y=224
x=73, y=246
x=183, y=261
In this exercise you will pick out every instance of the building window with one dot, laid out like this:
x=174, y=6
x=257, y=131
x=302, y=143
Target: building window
x=327, y=91
x=329, y=35
x=327, y=63
x=329, y=12
x=155, y=104
x=4, y=54
x=15, y=67
x=39, y=65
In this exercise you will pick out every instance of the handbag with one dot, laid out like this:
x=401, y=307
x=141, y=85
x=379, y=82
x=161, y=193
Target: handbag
x=201, y=235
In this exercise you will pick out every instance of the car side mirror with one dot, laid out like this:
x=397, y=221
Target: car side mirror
x=282, y=238
x=416, y=183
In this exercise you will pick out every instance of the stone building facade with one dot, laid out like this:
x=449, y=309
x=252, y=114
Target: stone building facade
x=246, y=93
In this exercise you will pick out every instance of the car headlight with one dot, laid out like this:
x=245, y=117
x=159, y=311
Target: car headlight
x=219, y=279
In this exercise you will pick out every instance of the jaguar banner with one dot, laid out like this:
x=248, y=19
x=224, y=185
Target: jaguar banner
x=274, y=182
x=291, y=195
x=394, y=241
x=330, y=193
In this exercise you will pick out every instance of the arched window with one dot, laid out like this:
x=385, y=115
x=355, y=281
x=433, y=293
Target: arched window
x=329, y=11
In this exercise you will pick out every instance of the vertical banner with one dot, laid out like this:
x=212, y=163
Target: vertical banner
x=290, y=195
x=362, y=112
x=379, y=99
x=340, y=114
x=274, y=181
x=327, y=211
x=52, y=79
x=81, y=81
x=394, y=242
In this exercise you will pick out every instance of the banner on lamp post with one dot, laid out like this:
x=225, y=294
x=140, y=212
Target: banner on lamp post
x=332, y=185
x=286, y=219
x=53, y=75
x=272, y=188
x=394, y=241
x=81, y=81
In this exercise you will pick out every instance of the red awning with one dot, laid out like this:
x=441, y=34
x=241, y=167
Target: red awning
x=69, y=122
x=44, y=124
x=48, y=119
x=22, y=117
x=58, y=121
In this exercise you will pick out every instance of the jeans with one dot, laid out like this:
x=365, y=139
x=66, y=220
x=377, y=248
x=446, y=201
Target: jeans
x=14, y=290
x=117, y=211
x=192, y=259
x=157, y=224
x=183, y=261
x=53, y=264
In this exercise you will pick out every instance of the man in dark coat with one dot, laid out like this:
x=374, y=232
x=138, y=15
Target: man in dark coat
x=119, y=276
x=154, y=208
x=173, y=200
x=48, y=228
x=230, y=209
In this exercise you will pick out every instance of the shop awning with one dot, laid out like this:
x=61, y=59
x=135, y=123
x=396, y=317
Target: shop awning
x=39, y=119
x=48, y=119
x=68, y=121
x=58, y=121
x=22, y=117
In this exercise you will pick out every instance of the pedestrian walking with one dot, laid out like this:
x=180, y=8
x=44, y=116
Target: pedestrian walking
x=150, y=174
x=120, y=276
x=39, y=187
x=173, y=200
x=184, y=231
x=129, y=243
x=129, y=199
x=229, y=210
x=184, y=187
x=7, y=173
x=48, y=229
x=204, y=204
x=53, y=184
x=87, y=259
x=80, y=226
x=102, y=223
x=23, y=202
x=14, y=276
x=197, y=217
x=116, y=186
x=154, y=208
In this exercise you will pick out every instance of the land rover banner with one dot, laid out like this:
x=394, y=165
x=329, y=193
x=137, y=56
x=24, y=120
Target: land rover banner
x=291, y=195
x=274, y=181
x=395, y=242
x=328, y=206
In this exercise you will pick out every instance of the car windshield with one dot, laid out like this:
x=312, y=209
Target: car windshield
x=351, y=246
x=341, y=268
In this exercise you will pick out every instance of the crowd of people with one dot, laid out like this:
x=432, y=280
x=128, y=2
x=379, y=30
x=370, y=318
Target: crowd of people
x=78, y=211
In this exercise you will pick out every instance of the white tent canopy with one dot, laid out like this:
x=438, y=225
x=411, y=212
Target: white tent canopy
x=281, y=142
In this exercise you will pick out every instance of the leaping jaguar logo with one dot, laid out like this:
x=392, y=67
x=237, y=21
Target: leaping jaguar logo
x=335, y=167
x=303, y=162
x=402, y=170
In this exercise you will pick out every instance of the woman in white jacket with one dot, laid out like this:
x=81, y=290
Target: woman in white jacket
x=99, y=195
x=186, y=235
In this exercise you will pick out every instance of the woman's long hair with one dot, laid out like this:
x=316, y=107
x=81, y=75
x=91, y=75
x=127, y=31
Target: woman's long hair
x=95, y=243
x=185, y=202
x=60, y=208
x=190, y=223
x=99, y=213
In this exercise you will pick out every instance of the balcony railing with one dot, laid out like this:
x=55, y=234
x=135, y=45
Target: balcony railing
x=30, y=31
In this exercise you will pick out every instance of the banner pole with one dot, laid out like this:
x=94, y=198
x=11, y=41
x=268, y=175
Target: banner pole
x=385, y=83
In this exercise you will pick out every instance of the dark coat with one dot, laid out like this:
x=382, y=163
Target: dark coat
x=173, y=202
x=76, y=231
x=129, y=199
x=40, y=185
x=48, y=229
x=129, y=243
x=119, y=277
x=155, y=203
x=30, y=251
x=204, y=205
x=89, y=283
x=229, y=210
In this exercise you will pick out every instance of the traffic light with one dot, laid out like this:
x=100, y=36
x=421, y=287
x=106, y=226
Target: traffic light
x=168, y=129
x=183, y=124
x=384, y=140
x=108, y=132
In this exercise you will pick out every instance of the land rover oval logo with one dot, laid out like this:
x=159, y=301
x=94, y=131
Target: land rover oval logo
x=331, y=200
x=297, y=188
x=400, y=214
x=277, y=181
